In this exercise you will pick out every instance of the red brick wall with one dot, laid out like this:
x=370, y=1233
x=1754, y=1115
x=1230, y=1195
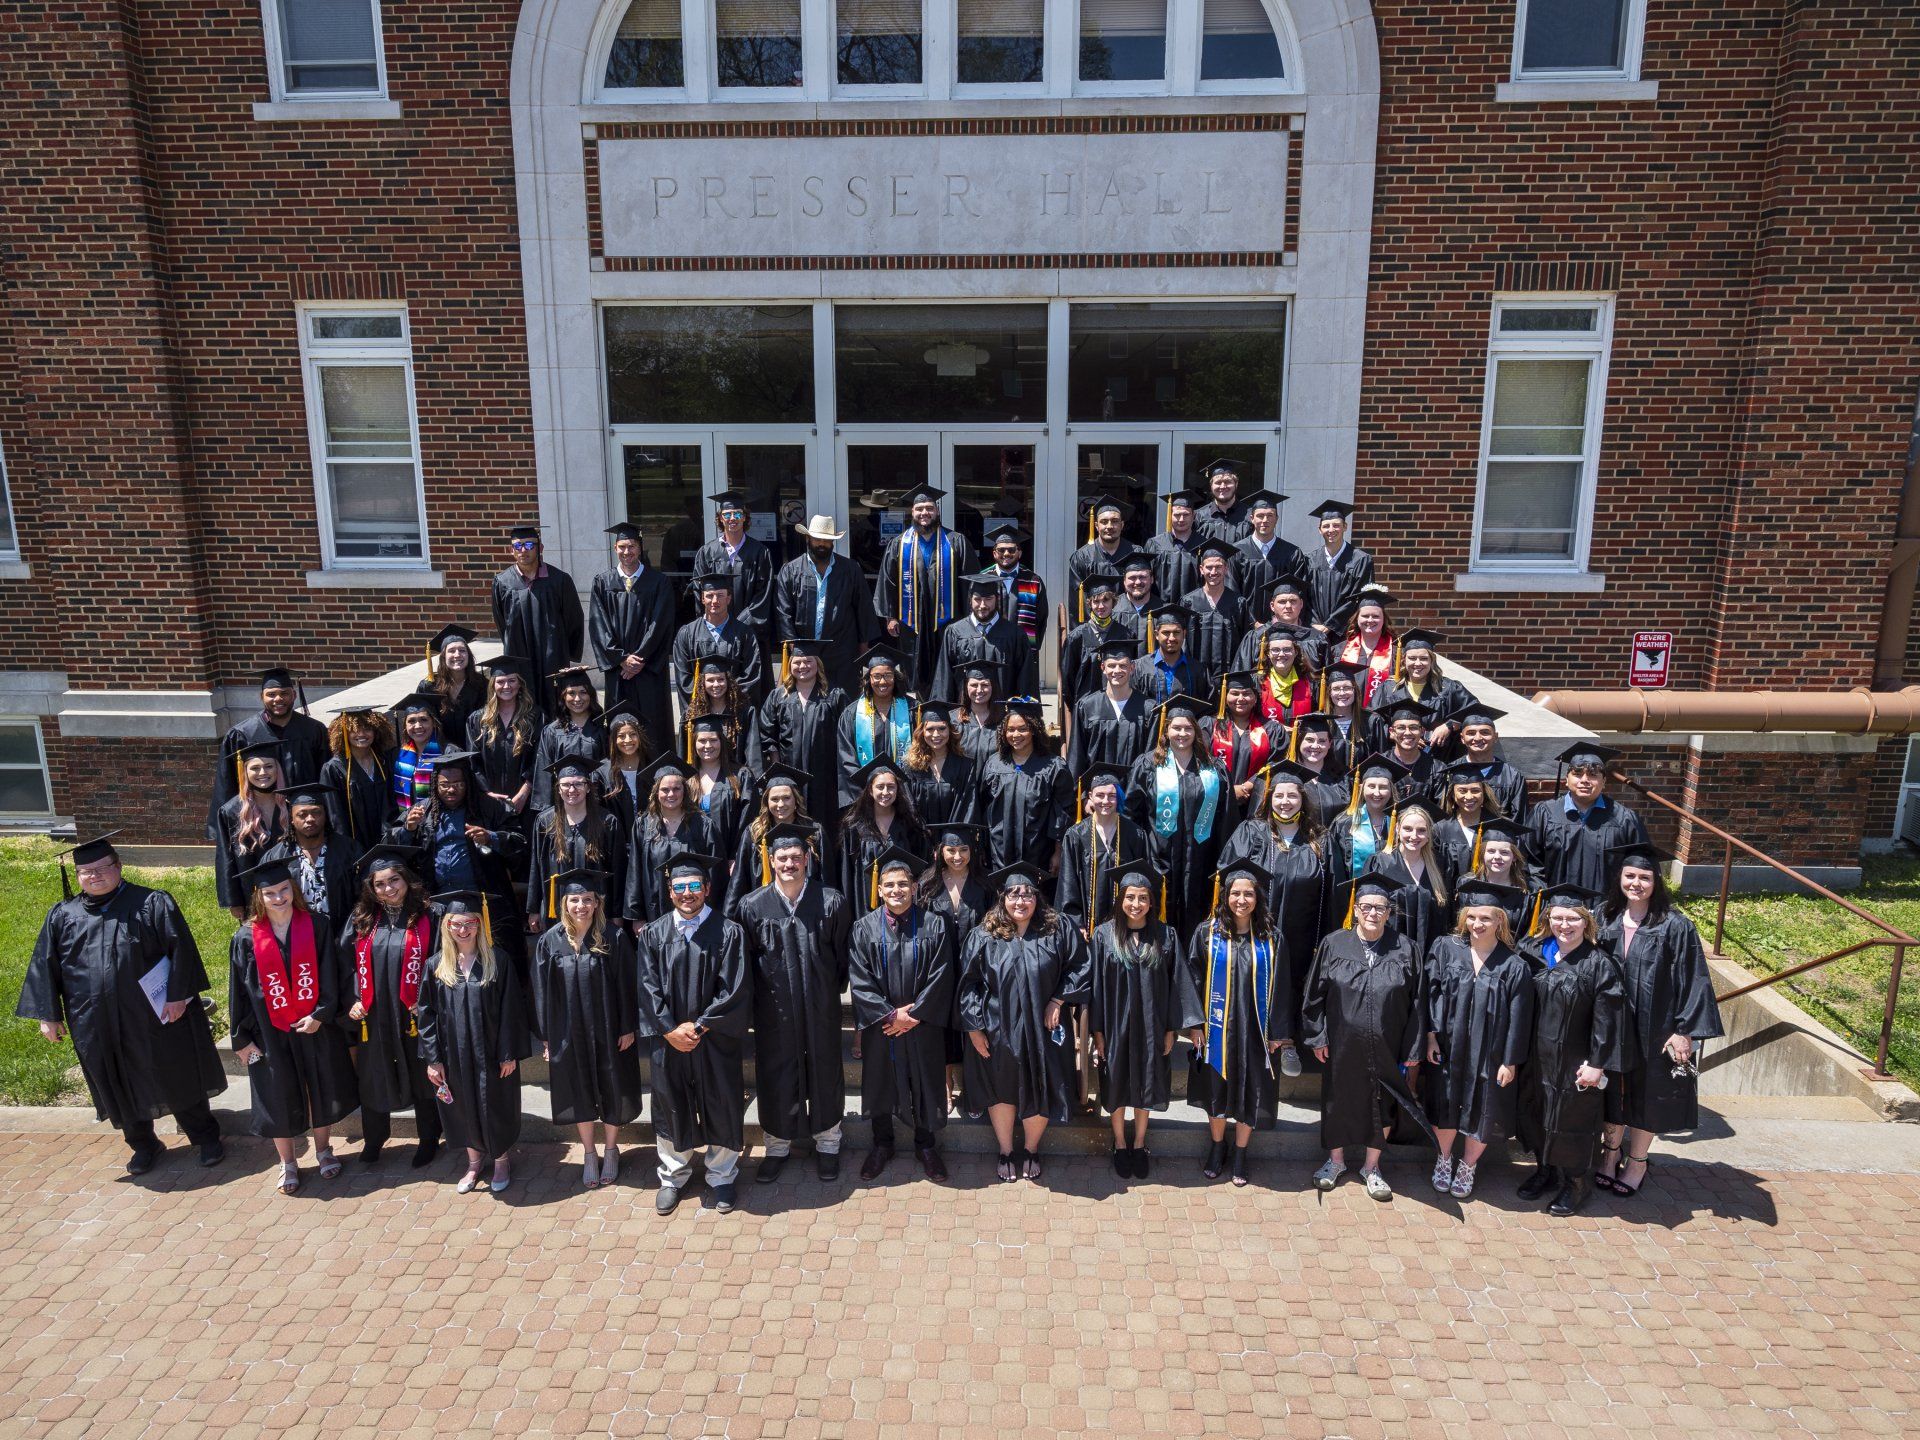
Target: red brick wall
x=155, y=790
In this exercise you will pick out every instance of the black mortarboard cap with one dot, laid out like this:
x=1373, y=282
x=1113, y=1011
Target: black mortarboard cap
x=1191, y=706
x=578, y=766
x=465, y=634
x=712, y=580
x=388, y=857
x=624, y=530
x=1567, y=893
x=896, y=857
x=274, y=868
x=569, y=677
x=1587, y=752
x=1272, y=499
x=879, y=765
x=1214, y=545
x=1020, y=872
x=882, y=655
x=418, y=700
x=785, y=836
x=1478, y=713
x=691, y=862
x=86, y=852
x=1094, y=504
x=462, y=902
x=955, y=832
x=1487, y=892
x=278, y=677
x=1385, y=765
x=1331, y=507
x=1418, y=639
x=1100, y=582
x=775, y=773
x=1642, y=856
x=1255, y=871
x=524, y=532
x=1179, y=614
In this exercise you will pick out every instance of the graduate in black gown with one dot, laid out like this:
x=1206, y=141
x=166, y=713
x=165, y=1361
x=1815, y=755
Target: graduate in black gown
x=1670, y=1008
x=468, y=842
x=473, y=1036
x=1219, y=615
x=248, y=825
x=1465, y=804
x=716, y=631
x=577, y=832
x=799, y=727
x=585, y=1006
x=878, y=721
x=881, y=818
x=1240, y=737
x=321, y=861
x=1023, y=600
x=954, y=887
x=921, y=587
x=299, y=741
x=1142, y=996
x=1479, y=1033
x=455, y=677
x=670, y=826
x=796, y=939
x=1569, y=836
x=1080, y=651
x=1364, y=1016
x=359, y=776
x=1310, y=746
x=749, y=562
x=721, y=790
x=1026, y=794
x=619, y=779
x=1112, y=724
x=1400, y=733
x=1478, y=737
x=1225, y=515
x=782, y=801
x=536, y=612
x=943, y=782
x=1184, y=801
x=631, y=616
x=696, y=1001
x=1172, y=550
x=85, y=975
x=976, y=719
x=1285, y=842
x=822, y=597
x=983, y=633
x=1337, y=569
x=1363, y=829
x=1167, y=666
x=1106, y=550
x=283, y=1001
x=1261, y=557
x=576, y=732
x=1242, y=976
x=1019, y=970
x=1422, y=899
x=505, y=740
x=902, y=969
x=386, y=950
x=1446, y=700
x=1096, y=848
x=1500, y=856
x=1580, y=1033
x=720, y=695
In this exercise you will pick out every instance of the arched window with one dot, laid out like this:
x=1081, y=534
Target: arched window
x=647, y=52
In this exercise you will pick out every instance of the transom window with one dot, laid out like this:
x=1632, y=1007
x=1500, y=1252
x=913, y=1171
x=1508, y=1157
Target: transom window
x=664, y=51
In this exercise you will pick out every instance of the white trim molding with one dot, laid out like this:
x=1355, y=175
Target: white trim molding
x=139, y=714
x=309, y=112
x=347, y=577
x=1567, y=92
x=1530, y=582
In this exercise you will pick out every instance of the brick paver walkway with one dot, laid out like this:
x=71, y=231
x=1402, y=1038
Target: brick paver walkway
x=1717, y=1303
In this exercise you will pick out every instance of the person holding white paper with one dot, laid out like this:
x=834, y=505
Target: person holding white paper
x=103, y=959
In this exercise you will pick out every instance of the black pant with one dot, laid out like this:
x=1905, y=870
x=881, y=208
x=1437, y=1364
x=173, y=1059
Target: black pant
x=376, y=1126
x=883, y=1133
x=197, y=1122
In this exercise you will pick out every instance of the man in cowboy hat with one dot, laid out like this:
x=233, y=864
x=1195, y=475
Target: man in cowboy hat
x=822, y=596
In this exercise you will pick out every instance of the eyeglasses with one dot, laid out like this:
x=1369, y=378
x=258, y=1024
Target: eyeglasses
x=1370, y=909
x=687, y=887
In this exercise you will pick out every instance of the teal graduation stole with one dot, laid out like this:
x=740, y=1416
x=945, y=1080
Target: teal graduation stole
x=1166, y=801
x=899, y=726
x=1220, y=993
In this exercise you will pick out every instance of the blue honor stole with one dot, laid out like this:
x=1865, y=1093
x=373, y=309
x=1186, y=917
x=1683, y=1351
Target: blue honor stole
x=941, y=563
x=899, y=727
x=1220, y=992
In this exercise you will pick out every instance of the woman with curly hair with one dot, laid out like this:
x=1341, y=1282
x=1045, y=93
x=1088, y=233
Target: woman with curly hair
x=359, y=776
x=387, y=950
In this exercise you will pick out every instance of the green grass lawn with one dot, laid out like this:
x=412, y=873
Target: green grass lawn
x=32, y=1072
x=1769, y=933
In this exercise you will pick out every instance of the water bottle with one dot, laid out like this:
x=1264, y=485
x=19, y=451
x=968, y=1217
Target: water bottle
x=446, y=1095
x=1059, y=1034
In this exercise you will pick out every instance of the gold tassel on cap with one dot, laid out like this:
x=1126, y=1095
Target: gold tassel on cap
x=1479, y=832
x=553, y=912
x=873, y=887
x=766, y=863
x=786, y=663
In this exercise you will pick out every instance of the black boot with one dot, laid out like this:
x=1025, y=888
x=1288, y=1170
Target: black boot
x=1216, y=1160
x=1573, y=1195
x=1536, y=1185
x=1240, y=1164
x=1122, y=1161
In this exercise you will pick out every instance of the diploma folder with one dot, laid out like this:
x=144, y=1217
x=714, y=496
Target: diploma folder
x=153, y=985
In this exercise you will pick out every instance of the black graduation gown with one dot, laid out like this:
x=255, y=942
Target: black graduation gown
x=393, y=1074
x=1446, y=700
x=1572, y=849
x=1253, y=571
x=980, y=741
x=753, y=867
x=85, y=973
x=1023, y=604
x=495, y=869
x=1420, y=785
x=599, y=843
x=232, y=859
x=1371, y=1020
x=1299, y=900
x=1247, y=1092
x=1453, y=845
x=563, y=740
x=861, y=849
x=1214, y=632
x=949, y=798
x=1338, y=846
x=1579, y=1017
x=1230, y=524
x=752, y=568
x=1484, y=1021
x=1669, y=992
x=1084, y=891
x=1349, y=744
x=303, y=753
x=1133, y=1005
x=337, y=874
x=361, y=817
x=460, y=707
x=847, y=627
x=799, y=962
x=653, y=847
x=1243, y=759
x=1509, y=787
x=620, y=791
x=1335, y=588
x=888, y=967
x=1175, y=570
x=699, y=1096
x=696, y=640
x=805, y=737
x=472, y=1028
x=1102, y=737
x=583, y=1002
x=542, y=623
x=921, y=647
x=1092, y=559
x=497, y=768
x=1025, y=808
x=636, y=619
x=301, y=1082
x=1417, y=913
x=1190, y=860
x=727, y=810
x=1080, y=658
x=1184, y=676
x=1005, y=988
x=964, y=643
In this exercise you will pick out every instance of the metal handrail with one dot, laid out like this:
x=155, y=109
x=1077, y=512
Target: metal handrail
x=1891, y=935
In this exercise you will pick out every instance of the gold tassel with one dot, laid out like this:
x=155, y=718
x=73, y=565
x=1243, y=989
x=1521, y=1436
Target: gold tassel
x=1533, y=921
x=1479, y=833
x=1353, y=894
x=429, y=660
x=486, y=919
x=1322, y=706
x=552, y=912
x=1079, y=802
x=1353, y=794
x=873, y=887
x=1090, y=513
x=1396, y=659
x=239, y=775
x=1215, y=907
x=766, y=862
x=1220, y=710
x=690, y=740
x=1393, y=820
x=1293, y=742
x=1163, y=902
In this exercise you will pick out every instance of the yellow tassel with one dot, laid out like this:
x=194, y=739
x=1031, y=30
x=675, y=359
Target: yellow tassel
x=786, y=663
x=1353, y=894
x=1479, y=833
x=1322, y=706
x=1533, y=921
x=239, y=775
x=1293, y=742
x=1090, y=532
x=766, y=863
x=1163, y=902
x=1215, y=907
x=873, y=887
x=1220, y=710
x=429, y=660
x=486, y=919
x=1353, y=794
x=1396, y=659
x=1393, y=820
x=553, y=912
x=689, y=741
x=1080, y=604
x=1079, y=802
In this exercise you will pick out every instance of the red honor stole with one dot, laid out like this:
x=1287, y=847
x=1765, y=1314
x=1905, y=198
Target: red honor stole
x=291, y=984
x=413, y=964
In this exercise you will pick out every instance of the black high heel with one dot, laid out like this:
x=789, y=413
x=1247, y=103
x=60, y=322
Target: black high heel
x=1216, y=1160
x=1625, y=1191
x=1240, y=1164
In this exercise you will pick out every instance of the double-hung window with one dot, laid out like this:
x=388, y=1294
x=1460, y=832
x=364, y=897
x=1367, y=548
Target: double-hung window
x=1540, y=432
x=9, y=536
x=1578, y=39
x=362, y=426
x=23, y=769
x=325, y=49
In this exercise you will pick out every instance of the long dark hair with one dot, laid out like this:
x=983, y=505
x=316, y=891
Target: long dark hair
x=1659, y=903
x=1262, y=919
x=594, y=829
x=1310, y=827
x=368, y=912
x=1147, y=950
x=906, y=819
x=999, y=924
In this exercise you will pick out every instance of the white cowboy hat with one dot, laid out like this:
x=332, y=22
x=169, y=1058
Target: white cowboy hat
x=820, y=527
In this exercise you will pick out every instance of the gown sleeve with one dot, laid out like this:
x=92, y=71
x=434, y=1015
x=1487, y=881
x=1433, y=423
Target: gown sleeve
x=731, y=1007
x=242, y=1025
x=1519, y=1017
x=973, y=981
x=624, y=979
x=870, y=1005
x=512, y=1039
x=1607, y=1045
x=537, y=976
x=42, y=990
x=187, y=976
x=1184, y=1013
x=1696, y=1011
x=1076, y=969
x=933, y=1001
x=1313, y=999
x=654, y=1008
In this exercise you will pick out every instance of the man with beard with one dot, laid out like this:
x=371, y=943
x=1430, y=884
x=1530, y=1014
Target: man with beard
x=823, y=597
x=300, y=742
x=922, y=579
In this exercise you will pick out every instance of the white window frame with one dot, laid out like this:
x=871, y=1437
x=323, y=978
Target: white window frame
x=270, y=24
x=10, y=533
x=46, y=774
x=1595, y=347
x=1628, y=70
x=316, y=355
x=940, y=51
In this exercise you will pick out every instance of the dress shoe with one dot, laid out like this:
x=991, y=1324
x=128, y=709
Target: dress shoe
x=723, y=1199
x=1536, y=1185
x=770, y=1169
x=825, y=1165
x=875, y=1162
x=213, y=1152
x=424, y=1153
x=664, y=1202
x=931, y=1162
x=1573, y=1196
x=143, y=1159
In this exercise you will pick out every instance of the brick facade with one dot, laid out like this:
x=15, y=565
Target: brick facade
x=1759, y=223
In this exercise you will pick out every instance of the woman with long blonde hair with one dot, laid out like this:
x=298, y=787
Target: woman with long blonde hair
x=505, y=735
x=1420, y=905
x=473, y=1036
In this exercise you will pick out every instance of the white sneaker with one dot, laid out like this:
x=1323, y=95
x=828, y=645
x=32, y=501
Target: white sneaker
x=1328, y=1175
x=1462, y=1181
x=1377, y=1186
x=1290, y=1061
x=1443, y=1173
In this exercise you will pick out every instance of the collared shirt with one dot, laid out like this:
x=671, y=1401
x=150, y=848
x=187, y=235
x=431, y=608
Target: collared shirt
x=687, y=927
x=793, y=905
x=526, y=579
x=1170, y=679
x=820, y=599
x=1333, y=560
x=1572, y=811
x=452, y=858
x=626, y=579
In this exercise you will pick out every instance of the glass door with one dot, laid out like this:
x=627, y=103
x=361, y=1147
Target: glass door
x=878, y=468
x=1255, y=452
x=990, y=485
x=664, y=485
x=771, y=467
x=1129, y=465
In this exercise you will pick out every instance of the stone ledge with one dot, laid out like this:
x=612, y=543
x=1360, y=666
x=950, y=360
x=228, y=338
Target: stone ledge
x=372, y=577
x=1530, y=582
x=1566, y=92
x=1703, y=877
x=316, y=111
x=142, y=714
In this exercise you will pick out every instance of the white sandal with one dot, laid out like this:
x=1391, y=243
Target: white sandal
x=289, y=1177
x=1443, y=1173
x=1462, y=1181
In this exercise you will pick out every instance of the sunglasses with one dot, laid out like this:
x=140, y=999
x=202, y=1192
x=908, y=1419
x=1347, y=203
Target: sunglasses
x=687, y=887
x=526, y=544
